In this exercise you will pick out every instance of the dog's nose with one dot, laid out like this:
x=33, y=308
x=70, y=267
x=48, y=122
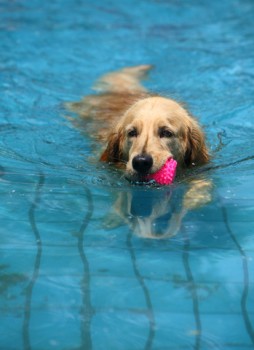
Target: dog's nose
x=142, y=163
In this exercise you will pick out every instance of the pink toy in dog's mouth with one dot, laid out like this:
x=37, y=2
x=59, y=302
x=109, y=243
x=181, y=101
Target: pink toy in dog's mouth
x=166, y=174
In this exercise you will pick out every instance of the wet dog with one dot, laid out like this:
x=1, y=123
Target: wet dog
x=139, y=132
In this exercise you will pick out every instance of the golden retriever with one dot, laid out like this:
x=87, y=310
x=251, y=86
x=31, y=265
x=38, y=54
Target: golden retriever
x=139, y=131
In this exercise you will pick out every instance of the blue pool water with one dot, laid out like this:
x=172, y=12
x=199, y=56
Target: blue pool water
x=73, y=273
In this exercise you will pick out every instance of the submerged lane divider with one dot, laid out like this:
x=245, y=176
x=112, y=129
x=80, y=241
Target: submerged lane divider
x=29, y=289
x=193, y=291
x=244, y=299
x=140, y=278
x=87, y=311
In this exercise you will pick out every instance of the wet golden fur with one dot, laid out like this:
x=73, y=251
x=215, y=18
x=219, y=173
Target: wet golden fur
x=124, y=105
x=148, y=117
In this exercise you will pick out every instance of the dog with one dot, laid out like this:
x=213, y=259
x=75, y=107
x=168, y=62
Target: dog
x=140, y=131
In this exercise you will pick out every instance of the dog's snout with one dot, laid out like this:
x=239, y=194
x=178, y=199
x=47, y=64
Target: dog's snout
x=142, y=163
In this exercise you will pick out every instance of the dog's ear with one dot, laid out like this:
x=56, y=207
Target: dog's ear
x=196, y=149
x=114, y=150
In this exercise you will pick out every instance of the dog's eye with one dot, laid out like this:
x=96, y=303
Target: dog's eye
x=165, y=133
x=132, y=133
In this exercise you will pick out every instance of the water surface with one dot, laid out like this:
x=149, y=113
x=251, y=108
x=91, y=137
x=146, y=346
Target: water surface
x=74, y=275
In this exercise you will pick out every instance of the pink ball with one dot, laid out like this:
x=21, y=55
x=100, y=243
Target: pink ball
x=166, y=175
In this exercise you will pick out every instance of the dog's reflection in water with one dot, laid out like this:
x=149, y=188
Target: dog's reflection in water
x=157, y=213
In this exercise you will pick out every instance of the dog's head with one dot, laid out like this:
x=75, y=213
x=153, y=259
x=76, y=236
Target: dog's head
x=151, y=131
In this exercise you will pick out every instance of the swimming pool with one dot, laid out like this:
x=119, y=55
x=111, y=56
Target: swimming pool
x=73, y=274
